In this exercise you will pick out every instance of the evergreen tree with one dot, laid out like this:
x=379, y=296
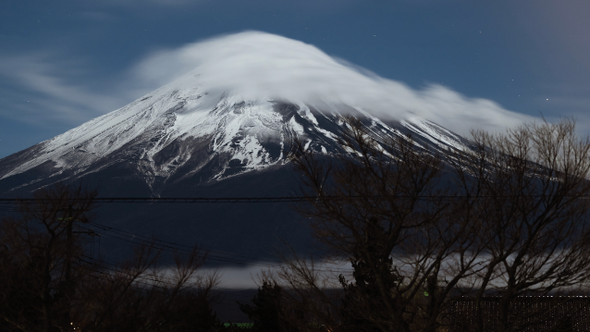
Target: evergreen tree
x=266, y=310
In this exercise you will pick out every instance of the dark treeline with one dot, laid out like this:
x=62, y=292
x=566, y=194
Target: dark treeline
x=49, y=283
x=488, y=223
x=459, y=239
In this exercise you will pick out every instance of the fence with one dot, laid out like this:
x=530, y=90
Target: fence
x=527, y=314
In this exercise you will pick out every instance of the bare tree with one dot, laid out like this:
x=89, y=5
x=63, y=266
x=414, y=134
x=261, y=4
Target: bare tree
x=529, y=190
x=309, y=295
x=384, y=206
x=506, y=216
x=142, y=294
x=38, y=253
x=48, y=283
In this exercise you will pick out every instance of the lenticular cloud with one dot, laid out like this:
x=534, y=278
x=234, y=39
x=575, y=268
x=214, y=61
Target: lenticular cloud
x=261, y=65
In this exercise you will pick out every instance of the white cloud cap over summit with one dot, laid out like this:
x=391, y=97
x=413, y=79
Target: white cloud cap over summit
x=260, y=65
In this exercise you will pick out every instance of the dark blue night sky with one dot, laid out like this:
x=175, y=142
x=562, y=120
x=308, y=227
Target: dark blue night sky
x=65, y=62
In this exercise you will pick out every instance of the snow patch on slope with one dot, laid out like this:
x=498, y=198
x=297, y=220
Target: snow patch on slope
x=434, y=133
x=248, y=134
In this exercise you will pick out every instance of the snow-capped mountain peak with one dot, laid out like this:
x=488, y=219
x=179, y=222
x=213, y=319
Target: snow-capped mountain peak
x=192, y=129
x=197, y=126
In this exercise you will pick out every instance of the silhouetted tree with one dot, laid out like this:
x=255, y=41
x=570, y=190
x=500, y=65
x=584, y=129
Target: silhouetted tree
x=384, y=205
x=47, y=283
x=365, y=287
x=529, y=189
x=39, y=252
x=266, y=310
x=504, y=215
x=142, y=294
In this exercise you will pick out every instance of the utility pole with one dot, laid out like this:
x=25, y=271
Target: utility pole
x=68, y=290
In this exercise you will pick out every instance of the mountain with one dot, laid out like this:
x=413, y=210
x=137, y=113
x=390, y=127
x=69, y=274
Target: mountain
x=193, y=139
x=177, y=133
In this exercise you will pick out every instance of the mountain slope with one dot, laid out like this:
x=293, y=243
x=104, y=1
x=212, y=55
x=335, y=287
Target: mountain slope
x=175, y=133
x=176, y=144
x=196, y=137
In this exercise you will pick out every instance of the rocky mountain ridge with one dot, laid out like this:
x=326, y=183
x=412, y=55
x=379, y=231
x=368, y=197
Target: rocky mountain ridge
x=178, y=132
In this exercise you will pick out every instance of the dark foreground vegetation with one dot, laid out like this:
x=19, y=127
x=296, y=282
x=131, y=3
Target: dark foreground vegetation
x=429, y=232
x=49, y=283
x=491, y=238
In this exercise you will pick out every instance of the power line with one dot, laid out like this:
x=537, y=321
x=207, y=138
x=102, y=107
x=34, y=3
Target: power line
x=214, y=255
x=283, y=199
x=141, y=278
x=176, y=200
x=175, y=245
x=171, y=249
x=169, y=246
